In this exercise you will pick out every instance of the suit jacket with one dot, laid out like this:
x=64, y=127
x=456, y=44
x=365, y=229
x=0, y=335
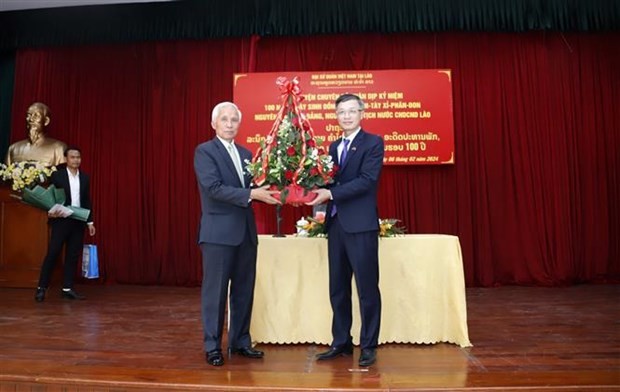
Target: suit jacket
x=354, y=190
x=60, y=179
x=226, y=209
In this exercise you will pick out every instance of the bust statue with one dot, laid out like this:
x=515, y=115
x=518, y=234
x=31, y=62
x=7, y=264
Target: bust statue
x=37, y=147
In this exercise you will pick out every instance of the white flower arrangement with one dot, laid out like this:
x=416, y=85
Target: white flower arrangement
x=25, y=174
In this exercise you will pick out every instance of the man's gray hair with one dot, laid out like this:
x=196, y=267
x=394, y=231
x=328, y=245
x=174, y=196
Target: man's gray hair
x=216, y=110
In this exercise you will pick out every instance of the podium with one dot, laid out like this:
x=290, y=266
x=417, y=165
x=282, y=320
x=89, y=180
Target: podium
x=24, y=237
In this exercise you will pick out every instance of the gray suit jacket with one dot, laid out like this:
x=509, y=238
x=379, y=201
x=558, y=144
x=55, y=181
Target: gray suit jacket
x=226, y=210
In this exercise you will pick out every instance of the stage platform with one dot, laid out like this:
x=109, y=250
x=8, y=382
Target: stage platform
x=146, y=338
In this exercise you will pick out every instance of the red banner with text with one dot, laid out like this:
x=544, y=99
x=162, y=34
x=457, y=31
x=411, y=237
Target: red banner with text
x=410, y=109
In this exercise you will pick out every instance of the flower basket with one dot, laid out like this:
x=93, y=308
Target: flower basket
x=291, y=159
x=293, y=194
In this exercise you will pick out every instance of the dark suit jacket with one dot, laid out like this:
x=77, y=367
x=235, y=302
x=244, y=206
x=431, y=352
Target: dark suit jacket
x=60, y=179
x=354, y=190
x=226, y=210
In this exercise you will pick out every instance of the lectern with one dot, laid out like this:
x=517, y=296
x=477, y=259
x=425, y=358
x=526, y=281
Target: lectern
x=24, y=236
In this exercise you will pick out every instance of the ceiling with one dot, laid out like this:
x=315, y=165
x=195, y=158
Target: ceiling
x=14, y=5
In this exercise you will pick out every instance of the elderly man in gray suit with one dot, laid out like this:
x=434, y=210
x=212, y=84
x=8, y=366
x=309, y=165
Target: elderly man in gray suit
x=227, y=236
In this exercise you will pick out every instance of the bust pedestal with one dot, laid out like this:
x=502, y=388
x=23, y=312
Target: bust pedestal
x=24, y=237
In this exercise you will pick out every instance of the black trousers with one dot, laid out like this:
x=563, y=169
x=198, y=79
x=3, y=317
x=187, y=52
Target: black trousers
x=64, y=231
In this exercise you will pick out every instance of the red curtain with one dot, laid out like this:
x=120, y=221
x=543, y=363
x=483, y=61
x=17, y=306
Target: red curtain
x=532, y=195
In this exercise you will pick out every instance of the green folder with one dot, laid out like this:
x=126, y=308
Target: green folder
x=79, y=213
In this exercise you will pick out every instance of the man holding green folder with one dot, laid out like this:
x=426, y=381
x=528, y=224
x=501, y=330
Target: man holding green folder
x=67, y=230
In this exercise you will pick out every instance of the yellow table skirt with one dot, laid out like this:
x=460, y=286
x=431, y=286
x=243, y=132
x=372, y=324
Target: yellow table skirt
x=421, y=282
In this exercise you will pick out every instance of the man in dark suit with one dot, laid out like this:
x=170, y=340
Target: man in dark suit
x=69, y=231
x=227, y=236
x=352, y=225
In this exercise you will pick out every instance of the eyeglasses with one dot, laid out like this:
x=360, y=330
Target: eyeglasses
x=350, y=112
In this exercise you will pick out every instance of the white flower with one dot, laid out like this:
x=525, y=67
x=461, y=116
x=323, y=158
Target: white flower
x=25, y=174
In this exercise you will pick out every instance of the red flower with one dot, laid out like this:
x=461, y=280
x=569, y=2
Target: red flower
x=290, y=151
x=295, y=122
x=314, y=171
x=311, y=143
x=288, y=175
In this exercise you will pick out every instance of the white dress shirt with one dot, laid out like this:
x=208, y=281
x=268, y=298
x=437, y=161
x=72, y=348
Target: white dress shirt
x=74, y=184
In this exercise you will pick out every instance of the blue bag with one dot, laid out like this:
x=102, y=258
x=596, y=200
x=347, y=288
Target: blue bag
x=90, y=262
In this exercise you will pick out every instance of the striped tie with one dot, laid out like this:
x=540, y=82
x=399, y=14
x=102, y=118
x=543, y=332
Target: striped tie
x=234, y=155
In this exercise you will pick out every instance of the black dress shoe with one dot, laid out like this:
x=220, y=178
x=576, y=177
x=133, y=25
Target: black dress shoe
x=247, y=352
x=215, y=358
x=39, y=296
x=334, y=352
x=368, y=357
x=71, y=294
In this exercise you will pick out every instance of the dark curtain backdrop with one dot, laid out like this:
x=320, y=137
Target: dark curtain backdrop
x=201, y=19
x=532, y=196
